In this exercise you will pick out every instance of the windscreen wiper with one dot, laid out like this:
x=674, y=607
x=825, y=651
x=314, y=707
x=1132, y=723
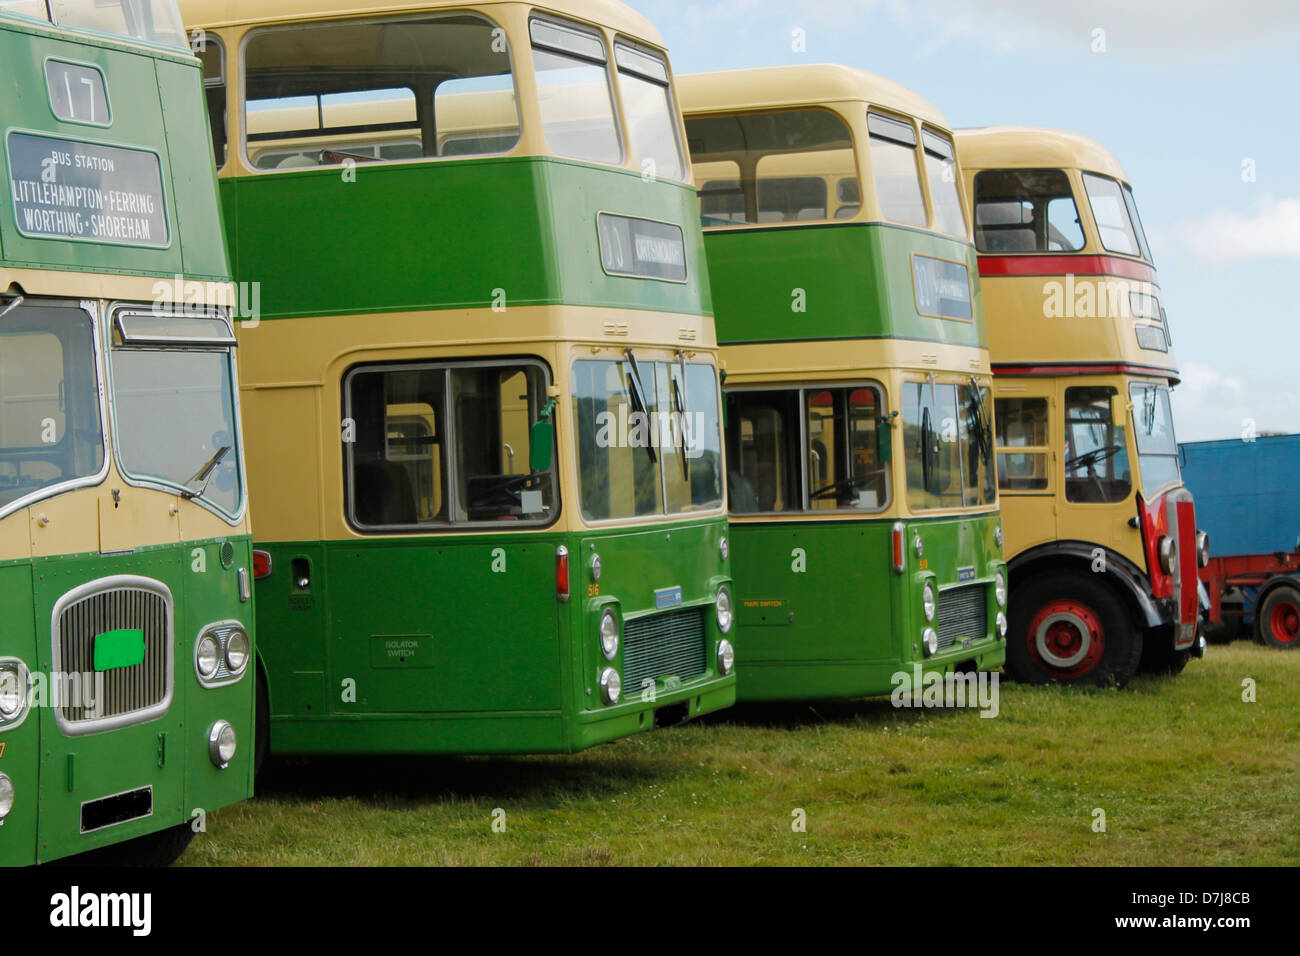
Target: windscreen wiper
x=680, y=401
x=637, y=395
x=204, y=474
x=13, y=303
x=982, y=420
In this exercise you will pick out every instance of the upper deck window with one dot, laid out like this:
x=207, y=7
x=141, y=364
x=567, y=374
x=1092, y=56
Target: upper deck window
x=1026, y=210
x=651, y=119
x=893, y=165
x=1131, y=203
x=941, y=173
x=773, y=167
x=575, y=94
x=1111, y=212
x=158, y=21
x=364, y=91
x=213, y=57
x=36, y=9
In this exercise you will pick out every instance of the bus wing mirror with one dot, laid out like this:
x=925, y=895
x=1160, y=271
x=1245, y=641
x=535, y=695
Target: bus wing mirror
x=541, y=441
x=885, y=439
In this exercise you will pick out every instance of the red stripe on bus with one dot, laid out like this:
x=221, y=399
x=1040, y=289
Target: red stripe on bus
x=1065, y=265
x=1098, y=368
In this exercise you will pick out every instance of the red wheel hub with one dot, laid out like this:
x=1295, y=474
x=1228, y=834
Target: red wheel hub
x=1284, y=622
x=1066, y=639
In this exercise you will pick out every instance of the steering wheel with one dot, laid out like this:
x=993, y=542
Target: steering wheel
x=1092, y=459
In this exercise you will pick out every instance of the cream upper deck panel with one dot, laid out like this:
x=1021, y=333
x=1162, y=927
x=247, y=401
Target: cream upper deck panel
x=1032, y=147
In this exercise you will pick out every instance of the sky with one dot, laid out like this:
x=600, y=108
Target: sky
x=1197, y=99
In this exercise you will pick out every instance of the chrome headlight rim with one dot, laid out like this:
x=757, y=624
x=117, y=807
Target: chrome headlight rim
x=243, y=654
x=726, y=657
x=222, y=633
x=930, y=641
x=997, y=533
x=208, y=639
x=223, y=744
x=1202, y=549
x=18, y=684
x=1166, y=549
x=1000, y=587
x=595, y=567
x=724, y=548
x=611, y=686
x=609, y=643
x=724, y=609
x=1000, y=623
x=929, y=601
x=8, y=796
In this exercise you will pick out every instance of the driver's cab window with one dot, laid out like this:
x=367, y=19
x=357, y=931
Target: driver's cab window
x=1096, y=450
x=844, y=466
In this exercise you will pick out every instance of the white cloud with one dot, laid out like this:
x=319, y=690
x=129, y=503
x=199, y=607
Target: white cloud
x=1211, y=403
x=1270, y=230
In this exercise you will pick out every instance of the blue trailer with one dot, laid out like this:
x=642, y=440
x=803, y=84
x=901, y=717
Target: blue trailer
x=1248, y=500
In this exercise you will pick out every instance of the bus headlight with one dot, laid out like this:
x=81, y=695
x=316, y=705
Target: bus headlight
x=221, y=744
x=928, y=602
x=237, y=649
x=1202, y=548
x=1000, y=588
x=595, y=567
x=1002, y=624
x=611, y=685
x=726, y=657
x=609, y=634
x=208, y=656
x=723, y=604
x=724, y=549
x=1166, y=548
x=930, y=641
x=997, y=534
x=6, y=796
x=13, y=690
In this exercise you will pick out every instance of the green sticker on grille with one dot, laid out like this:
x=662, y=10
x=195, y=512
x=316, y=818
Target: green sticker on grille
x=122, y=648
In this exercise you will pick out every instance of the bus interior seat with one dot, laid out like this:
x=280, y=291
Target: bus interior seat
x=297, y=161
x=383, y=493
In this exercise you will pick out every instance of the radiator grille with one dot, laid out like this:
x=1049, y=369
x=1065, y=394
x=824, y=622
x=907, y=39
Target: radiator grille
x=123, y=694
x=661, y=645
x=963, y=612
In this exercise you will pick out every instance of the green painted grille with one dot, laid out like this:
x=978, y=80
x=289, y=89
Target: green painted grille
x=963, y=612
x=663, y=645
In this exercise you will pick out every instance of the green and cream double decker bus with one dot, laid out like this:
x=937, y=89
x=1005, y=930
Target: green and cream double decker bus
x=126, y=688
x=483, y=398
x=864, y=522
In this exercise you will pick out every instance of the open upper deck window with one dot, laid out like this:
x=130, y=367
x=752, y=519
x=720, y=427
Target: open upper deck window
x=772, y=167
x=158, y=21
x=651, y=119
x=1026, y=210
x=941, y=174
x=893, y=166
x=573, y=88
x=373, y=90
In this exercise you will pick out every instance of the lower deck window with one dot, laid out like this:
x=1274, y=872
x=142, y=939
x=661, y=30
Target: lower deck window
x=436, y=445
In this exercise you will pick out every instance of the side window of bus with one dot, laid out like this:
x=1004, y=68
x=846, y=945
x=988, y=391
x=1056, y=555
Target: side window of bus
x=763, y=452
x=406, y=444
x=573, y=87
x=1022, y=443
x=50, y=429
x=365, y=91
x=844, y=466
x=213, y=57
x=771, y=167
x=651, y=118
x=894, y=169
x=1110, y=211
x=36, y=9
x=1026, y=210
x=941, y=175
x=1096, y=452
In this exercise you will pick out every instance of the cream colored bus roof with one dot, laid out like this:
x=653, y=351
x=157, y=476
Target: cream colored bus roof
x=782, y=86
x=217, y=13
x=1033, y=147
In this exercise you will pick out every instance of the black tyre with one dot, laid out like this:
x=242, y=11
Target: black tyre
x=1071, y=628
x=1277, y=618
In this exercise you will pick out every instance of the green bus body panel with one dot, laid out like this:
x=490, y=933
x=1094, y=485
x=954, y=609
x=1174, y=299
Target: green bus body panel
x=54, y=773
x=844, y=625
x=454, y=654
x=856, y=281
x=448, y=235
x=157, y=104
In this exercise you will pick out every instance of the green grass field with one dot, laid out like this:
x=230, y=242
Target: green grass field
x=1186, y=772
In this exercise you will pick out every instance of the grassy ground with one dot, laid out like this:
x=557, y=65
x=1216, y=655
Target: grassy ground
x=1186, y=772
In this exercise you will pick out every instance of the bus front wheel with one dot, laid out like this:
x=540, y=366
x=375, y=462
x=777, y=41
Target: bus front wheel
x=1069, y=628
x=1278, y=618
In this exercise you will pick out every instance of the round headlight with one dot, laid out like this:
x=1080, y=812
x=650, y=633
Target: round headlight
x=11, y=693
x=209, y=656
x=1202, y=548
x=920, y=548
x=611, y=685
x=1167, y=549
x=595, y=567
x=930, y=641
x=724, y=549
x=236, y=651
x=6, y=796
x=1000, y=588
x=609, y=634
x=723, y=603
x=928, y=603
x=221, y=743
x=1002, y=624
x=997, y=534
x=726, y=657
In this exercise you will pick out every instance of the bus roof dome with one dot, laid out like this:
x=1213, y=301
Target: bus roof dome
x=1033, y=147
x=800, y=86
x=214, y=13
